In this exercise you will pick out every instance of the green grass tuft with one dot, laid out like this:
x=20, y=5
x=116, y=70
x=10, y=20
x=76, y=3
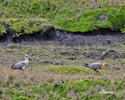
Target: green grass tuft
x=74, y=16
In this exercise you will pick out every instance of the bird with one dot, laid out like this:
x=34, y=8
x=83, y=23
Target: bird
x=96, y=65
x=22, y=64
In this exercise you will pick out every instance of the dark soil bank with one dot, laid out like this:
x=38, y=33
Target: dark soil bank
x=97, y=37
x=100, y=37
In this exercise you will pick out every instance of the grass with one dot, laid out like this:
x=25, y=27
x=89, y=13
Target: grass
x=21, y=26
x=51, y=76
x=36, y=85
x=66, y=70
x=58, y=72
x=74, y=16
x=58, y=90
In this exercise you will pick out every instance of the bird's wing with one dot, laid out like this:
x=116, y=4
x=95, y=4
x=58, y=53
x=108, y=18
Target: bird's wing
x=19, y=64
x=95, y=65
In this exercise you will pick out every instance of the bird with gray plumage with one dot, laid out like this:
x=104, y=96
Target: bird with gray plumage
x=21, y=65
x=96, y=65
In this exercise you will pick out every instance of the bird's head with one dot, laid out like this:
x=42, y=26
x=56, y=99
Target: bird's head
x=104, y=65
x=26, y=56
x=26, y=59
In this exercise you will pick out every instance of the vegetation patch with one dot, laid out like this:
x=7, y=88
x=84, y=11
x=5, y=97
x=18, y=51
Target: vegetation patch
x=57, y=82
x=80, y=89
x=17, y=27
x=73, y=16
x=67, y=70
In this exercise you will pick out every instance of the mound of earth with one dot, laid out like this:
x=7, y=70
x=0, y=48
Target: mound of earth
x=97, y=37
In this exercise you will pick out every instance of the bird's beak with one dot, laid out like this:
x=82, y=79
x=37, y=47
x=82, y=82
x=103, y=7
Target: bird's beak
x=107, y=66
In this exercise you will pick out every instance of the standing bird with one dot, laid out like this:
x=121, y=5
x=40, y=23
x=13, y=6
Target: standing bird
x=21, y=65
x=96, y=65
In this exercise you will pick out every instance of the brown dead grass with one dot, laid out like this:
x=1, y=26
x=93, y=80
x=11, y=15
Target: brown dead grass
x=34, y=77
x=61, y=55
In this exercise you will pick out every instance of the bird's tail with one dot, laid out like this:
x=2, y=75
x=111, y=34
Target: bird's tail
x=12, y=67
x=86, y=65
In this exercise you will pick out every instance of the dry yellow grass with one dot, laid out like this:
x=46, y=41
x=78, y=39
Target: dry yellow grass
x=50, y=67
x=42, y=56
x=36, y=76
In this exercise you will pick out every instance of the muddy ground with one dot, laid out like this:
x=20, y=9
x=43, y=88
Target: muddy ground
x=95, y=38
x=65, y=48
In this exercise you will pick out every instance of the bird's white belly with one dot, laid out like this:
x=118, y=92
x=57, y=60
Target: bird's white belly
x=23, y=67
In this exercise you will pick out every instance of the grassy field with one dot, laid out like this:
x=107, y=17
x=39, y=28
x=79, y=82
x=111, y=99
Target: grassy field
x=27, y=17
x=58, y=73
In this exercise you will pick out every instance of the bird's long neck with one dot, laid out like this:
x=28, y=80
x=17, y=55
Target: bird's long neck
x=26, y=60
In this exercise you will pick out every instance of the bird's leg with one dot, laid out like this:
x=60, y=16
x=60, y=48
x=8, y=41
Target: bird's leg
x=97, y=72
x=31, y=69
x=23, y=68
x=18, y=71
